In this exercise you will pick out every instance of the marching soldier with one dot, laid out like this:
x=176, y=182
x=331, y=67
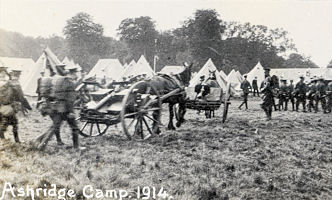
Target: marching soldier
x=246, y=87
x=60, y=100
x=311, y=94
x=300, y=94
x=283, y=95
x=267, y=96
x=9, y=94
x=291, y=95
x=321, y=94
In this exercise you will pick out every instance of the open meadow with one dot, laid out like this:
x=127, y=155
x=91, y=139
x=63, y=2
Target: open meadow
x=248, y=157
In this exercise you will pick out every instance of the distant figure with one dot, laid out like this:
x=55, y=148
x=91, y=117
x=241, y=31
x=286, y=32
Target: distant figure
x=246, y=87
x=283, y=95
x=321, y=95
x=255, y=87
x=311, y=94
x=329, y=97
x=300, y=94
x=267, y=94
x=291, y=95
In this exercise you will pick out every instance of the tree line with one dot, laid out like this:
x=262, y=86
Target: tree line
x=231, y=45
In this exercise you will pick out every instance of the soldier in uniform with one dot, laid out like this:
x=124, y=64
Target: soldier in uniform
x=246, y=87
x=321, y=94
x=255, y=87
x=329, y=97
x=283, y=95
x=23, y=104
x=61, y=110
x=291, y=95
x=9, y=94
x=311, y=94
x=300, y=94
x=267, y=96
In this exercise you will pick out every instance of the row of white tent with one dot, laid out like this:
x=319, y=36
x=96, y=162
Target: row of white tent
x=112, y=69
x=31, y=71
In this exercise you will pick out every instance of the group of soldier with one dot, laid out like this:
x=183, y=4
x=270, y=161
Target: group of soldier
x=310, y=95
x=56, y=96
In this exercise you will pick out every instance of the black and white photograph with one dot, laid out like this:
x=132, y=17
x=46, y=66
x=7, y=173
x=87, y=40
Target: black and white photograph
x=165, y=99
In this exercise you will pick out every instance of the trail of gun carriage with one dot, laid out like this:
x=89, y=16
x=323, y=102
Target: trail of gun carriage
x=187, y=128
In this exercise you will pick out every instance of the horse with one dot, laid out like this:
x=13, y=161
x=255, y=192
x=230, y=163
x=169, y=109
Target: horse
x=166, y=83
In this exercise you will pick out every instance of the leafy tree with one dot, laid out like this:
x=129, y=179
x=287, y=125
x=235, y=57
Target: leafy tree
x=85, y=40
x=203, y=35
x=299, y=61
x=140, y=35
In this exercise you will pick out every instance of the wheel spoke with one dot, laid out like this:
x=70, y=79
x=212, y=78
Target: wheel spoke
x=151, y=109
x=86, y=123
x=131, y=123
x=130, y=114
x=151, y=118
x=97, y=124
x=91, y=129
x=147, y=126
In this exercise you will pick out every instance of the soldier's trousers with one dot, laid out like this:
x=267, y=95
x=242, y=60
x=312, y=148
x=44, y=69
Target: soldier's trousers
x=255, y=91
x=6, y=121
x=329, y=103
x=283, y=102
x=322, y=100
x=57, y=119
x=300, y=99
x=245, y=100
x=268, y=103
x=311, y=104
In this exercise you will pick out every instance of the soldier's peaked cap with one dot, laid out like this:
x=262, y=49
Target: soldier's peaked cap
x=267, y=69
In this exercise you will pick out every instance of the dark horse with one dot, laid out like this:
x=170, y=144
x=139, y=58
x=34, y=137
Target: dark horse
x=166, y=83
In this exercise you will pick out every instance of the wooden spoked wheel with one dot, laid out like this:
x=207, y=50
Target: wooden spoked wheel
x=226, y=102
x=92, y=129
x=141, y=110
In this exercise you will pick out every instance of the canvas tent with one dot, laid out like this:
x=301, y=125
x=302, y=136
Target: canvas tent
x=222, y=74
x=47, y=58
x=257, y=71
x=25, y=65
x=233, y=78
x=141, y=67
x=241, y=78
x=205, y=71
x=110, y=69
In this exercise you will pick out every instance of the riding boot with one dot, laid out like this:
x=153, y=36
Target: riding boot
x=2, y=136
x=246, y=105
x=286, y=106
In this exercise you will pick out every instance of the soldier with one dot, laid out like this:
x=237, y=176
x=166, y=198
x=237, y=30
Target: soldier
x=267, y=96
x=8, y=96
x=311, y=94
x=255, y=87
x=23, y=104
x=246, y=87
x=60, y=100
x=291, y=95
x=320, y=94
x=300, y=94
x=329, y=97
x=283, y=95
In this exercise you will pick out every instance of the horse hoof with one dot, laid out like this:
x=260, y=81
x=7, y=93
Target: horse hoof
x=171, y=128
x=178, y=124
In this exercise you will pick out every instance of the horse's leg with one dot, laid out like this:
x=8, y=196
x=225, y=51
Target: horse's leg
x=171, y=115
x=182, y=111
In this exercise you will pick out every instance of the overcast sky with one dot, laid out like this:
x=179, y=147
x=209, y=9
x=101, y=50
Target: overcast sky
x=309, y=22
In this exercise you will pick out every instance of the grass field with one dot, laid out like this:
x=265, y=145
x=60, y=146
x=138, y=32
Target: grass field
x=289, y=157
